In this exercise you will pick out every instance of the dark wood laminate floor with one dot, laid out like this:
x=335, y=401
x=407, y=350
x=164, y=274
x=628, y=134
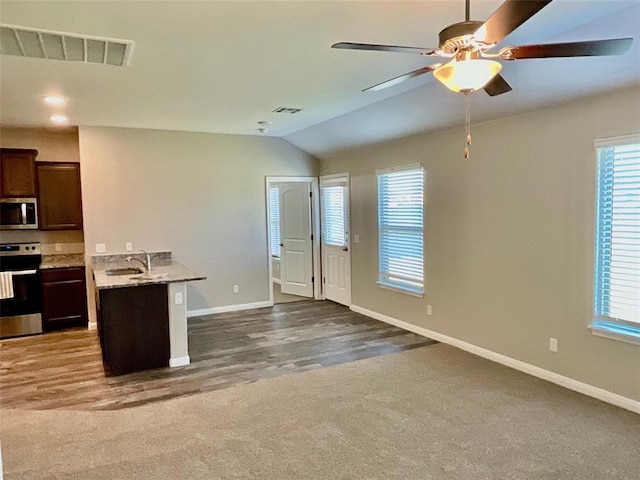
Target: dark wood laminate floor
x=64, y=370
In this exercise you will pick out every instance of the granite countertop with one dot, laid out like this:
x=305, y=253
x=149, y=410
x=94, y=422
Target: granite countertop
x=167, y=272
x=63, y=260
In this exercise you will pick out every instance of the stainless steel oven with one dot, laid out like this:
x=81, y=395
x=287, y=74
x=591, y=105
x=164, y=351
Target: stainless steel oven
x=18, y=213
x=21, y=305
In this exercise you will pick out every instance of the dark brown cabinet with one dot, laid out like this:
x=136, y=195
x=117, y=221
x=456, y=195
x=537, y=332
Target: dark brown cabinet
x=59, y=196
x=17, y=173
x=133, y=324
x=64, y=298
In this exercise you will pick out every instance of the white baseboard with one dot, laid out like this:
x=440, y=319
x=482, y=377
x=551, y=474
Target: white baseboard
x=570, y=383
x=228, y=308
x=179, y=361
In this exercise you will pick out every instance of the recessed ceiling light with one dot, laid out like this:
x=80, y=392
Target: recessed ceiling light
x=264, y=122
x=54, y=100
x=263, y=130
x=58, y=119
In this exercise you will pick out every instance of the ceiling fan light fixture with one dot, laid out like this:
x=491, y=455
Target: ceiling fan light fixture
x=468, y=74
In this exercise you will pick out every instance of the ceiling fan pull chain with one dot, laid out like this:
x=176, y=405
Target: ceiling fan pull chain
x=467, y=124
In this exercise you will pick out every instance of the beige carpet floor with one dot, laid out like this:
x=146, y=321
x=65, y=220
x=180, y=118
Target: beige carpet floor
x=430, y=413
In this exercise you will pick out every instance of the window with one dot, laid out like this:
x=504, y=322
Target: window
x=401, y=228
x=274, y=221
x=334, y=228
x=617, y=262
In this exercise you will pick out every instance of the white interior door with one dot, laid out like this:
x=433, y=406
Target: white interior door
x=336, y=255
x=296, y=254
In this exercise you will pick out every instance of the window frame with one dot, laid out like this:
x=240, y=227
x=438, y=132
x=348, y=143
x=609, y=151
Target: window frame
x=274, y=222
x=383, y=280
x=603, y=325
x=341, y=181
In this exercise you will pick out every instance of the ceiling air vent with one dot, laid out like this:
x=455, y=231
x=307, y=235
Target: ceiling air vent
x=287, y=110
x=29, y=42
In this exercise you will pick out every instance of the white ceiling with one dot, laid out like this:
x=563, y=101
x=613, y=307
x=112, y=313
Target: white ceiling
x=223, y=66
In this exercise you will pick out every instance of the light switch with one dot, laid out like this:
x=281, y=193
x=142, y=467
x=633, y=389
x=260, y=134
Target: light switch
x=128, y=246
x=58, y=247
x=101, y=247
x=356, y=238
x=178, y=299
x=429, y=310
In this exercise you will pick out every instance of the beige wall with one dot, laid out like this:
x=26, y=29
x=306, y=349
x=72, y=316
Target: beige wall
x=53, y=146
x=202, y=196
x=508, y=237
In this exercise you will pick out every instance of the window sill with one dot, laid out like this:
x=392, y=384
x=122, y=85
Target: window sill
x=413, y=293
x=616, y=332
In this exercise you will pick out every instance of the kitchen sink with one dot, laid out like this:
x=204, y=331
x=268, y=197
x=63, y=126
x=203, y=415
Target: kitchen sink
x=123, y=271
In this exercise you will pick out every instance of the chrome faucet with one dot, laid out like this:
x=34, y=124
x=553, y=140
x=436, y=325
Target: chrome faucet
x=146, y=264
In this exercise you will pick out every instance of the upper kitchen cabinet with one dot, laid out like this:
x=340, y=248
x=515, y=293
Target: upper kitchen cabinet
x=17, y=173
x=59, y=196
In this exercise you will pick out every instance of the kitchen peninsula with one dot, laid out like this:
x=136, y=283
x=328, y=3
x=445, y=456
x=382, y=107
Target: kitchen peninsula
x=142, y=321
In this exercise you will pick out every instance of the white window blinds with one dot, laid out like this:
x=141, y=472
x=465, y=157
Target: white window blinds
x=400, y=229
x=274, y=221
x=333, y=215
x=617, y=265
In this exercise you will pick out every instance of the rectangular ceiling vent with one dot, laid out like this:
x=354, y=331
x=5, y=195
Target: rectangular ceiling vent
x=287, y=110
x=69, y=47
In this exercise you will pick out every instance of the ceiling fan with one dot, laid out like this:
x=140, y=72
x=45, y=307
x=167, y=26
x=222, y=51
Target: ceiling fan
x=471, y=67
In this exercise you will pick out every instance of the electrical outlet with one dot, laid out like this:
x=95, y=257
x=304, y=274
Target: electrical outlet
x=101, y=247
x=128, y=246
x=553, y=344
x=236, y=289
x=429, y=310
x=178, y=299
x=58, y=247
x=356, y=238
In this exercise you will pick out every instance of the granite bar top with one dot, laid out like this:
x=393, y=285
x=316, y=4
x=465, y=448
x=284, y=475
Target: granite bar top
x=117, y=260
x=164, y=273
x=63, y=260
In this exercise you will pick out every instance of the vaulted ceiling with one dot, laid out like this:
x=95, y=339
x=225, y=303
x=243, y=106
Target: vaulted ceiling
x=224, y=66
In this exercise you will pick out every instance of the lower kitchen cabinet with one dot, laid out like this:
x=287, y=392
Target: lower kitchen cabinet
x=64, y=298
x=133, y=324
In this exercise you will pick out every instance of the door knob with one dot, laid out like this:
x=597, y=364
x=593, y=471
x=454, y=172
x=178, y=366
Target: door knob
x=281, y=244
x=345, y=249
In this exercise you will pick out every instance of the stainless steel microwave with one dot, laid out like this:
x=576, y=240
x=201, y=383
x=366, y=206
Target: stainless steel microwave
x=19, y=214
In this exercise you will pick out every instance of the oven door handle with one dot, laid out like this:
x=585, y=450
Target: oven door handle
x=19, y=273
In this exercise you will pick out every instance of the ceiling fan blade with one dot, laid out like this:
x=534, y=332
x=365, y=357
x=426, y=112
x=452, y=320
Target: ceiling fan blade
x=593, y=48
x=497, y=86
x=402, y=78
x=385, y=48
x=509, y=16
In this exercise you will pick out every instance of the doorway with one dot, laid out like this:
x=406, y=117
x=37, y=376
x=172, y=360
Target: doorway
x=294, y=248
x=335, y=238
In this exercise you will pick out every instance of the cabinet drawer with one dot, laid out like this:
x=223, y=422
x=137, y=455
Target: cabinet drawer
x=50, y=275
